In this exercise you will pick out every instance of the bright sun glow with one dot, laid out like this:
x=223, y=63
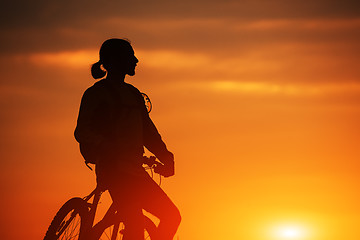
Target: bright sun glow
x=290, y=233
x=287, y=232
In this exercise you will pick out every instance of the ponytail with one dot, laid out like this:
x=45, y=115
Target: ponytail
x=97, y=71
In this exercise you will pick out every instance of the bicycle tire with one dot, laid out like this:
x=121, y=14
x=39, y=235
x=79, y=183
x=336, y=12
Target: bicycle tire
x=70, y=222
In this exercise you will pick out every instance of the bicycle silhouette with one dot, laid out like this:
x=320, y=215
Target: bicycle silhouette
x=75, y=219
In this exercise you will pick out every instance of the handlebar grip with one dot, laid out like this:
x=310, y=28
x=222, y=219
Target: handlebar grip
x=150, y=161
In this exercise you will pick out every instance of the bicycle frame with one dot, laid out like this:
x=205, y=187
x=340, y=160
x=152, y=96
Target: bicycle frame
x=111, y=216
x=96, y=193
x=108, y=219
x=76, y=218
x=93, y=206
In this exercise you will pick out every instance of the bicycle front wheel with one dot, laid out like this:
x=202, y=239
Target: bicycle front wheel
x=70, y=222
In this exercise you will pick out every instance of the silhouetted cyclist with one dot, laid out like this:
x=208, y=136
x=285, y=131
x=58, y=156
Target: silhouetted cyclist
x=113, y=127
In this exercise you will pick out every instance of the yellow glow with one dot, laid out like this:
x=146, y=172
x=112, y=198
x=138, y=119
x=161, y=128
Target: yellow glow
x=66, y=58
x=290, y=232
x=263, y=88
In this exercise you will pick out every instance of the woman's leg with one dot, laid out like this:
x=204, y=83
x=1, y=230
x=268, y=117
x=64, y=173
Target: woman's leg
x=130, y=210
x=131, y=194
x=156, y=202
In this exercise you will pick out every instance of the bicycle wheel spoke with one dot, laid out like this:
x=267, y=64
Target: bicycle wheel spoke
x=74, y=230
x=70, y=231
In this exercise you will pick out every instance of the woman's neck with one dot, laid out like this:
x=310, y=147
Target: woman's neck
x=115, y=77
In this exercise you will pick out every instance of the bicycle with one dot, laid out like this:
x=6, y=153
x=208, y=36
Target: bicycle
x=75, y=219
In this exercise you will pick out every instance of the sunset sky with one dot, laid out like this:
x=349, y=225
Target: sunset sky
x=259, y=101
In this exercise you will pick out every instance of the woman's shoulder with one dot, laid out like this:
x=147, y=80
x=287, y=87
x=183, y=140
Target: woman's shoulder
x=133, y=88
x=98, y=89
x=99, y=86
x=103, y=87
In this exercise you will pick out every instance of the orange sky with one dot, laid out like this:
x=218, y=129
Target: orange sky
x=259, y=101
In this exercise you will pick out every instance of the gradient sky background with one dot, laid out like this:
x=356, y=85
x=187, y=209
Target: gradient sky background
x=259, y=100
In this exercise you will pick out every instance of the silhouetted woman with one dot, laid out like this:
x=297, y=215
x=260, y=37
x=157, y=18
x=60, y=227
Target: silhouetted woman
x=113, y=127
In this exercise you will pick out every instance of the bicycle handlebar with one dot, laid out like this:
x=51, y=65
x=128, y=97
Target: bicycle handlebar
x=150, y=161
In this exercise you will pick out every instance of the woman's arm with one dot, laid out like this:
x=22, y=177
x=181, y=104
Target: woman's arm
x=154, y=143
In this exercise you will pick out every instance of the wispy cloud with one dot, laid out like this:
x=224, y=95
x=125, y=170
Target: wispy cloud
x=74, y=59
x=200, y=25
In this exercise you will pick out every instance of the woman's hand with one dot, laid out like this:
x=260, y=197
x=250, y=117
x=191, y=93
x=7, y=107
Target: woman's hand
x=166, y=170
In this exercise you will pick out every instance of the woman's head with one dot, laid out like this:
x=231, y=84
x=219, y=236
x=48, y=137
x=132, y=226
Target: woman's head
x=117, y=57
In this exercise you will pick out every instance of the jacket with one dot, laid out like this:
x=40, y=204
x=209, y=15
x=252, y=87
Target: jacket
x=113, y=127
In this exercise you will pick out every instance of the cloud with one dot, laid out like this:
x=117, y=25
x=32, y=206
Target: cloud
x=73, y=59
x=255, y=41
x=220, y=37
x=53, y=13
x=195, y=25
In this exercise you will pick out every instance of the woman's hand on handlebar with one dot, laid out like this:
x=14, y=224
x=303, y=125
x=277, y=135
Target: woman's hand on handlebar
x=166, y=170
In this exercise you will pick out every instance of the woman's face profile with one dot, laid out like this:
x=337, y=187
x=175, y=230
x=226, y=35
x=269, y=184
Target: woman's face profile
x=131, y=63
x=124, y=62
